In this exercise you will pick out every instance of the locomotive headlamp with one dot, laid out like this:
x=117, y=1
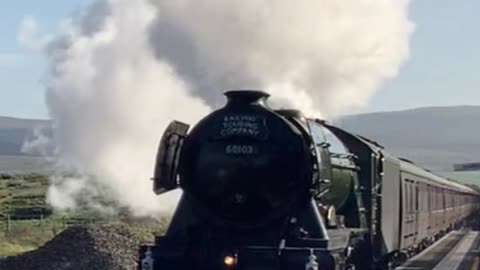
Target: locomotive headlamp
x=230, y=261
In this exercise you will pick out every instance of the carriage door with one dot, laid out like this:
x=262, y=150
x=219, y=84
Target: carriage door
x=409, y=230
x=416, y=206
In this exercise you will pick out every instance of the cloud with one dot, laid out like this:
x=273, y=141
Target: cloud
x=30, y=36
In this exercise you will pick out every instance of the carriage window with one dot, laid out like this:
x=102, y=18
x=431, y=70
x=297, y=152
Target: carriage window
x=449, y=198
x=413, y=197
x=434, y=198
x=416, y=197
x=443, y=199
x=438, y=200
x=453, y=199
x=429, y=195
x=407, y=197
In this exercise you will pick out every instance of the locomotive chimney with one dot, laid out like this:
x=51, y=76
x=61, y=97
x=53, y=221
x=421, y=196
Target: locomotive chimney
x=246, y=97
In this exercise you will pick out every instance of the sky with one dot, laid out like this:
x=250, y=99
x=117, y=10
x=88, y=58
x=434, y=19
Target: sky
x=443, y=68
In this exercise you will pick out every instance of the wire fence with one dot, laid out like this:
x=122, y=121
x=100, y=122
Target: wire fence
x=10, y=223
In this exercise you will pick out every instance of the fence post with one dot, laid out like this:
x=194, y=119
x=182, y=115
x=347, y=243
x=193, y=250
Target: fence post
x=8, y=223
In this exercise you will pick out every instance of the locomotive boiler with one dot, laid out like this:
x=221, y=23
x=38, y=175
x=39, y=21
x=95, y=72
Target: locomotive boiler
x=268, y=189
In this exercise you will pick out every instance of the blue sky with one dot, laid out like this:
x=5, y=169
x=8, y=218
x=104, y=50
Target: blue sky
x=444, y=65
x=21, y=95
x=443, y=69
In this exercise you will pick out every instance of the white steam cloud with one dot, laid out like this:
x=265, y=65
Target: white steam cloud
x=318, y=55
x=110, y=100
x=127, y=67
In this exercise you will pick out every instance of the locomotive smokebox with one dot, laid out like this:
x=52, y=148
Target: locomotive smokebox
x=244, y=164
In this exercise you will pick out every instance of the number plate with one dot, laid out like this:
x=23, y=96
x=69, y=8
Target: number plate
x=241, y=149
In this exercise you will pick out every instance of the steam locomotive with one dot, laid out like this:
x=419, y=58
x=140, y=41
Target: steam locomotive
x=271, y=189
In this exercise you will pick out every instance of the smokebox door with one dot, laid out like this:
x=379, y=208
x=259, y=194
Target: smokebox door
x=166, y=165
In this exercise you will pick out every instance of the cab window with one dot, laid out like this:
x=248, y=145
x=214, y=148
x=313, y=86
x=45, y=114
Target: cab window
x=336, y=146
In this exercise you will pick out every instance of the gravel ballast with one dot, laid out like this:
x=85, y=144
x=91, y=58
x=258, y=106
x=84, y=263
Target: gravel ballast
x=103, y=247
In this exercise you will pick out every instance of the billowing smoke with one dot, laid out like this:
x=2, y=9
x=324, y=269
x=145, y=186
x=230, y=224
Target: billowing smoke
x=110, y=99
x=127, y=67
x=317, y=55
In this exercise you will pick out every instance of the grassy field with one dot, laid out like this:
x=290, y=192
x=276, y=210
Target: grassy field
x=27, y=221
x=23, y=195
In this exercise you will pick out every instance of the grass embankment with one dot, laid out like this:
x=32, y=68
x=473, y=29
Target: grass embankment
x=25, y=235
x=32, y=222
x=22, y=197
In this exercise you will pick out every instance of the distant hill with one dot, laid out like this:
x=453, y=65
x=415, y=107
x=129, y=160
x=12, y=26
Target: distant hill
x=434, y=137
x=470, y=177
x=20, y=123
x=15, y=131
